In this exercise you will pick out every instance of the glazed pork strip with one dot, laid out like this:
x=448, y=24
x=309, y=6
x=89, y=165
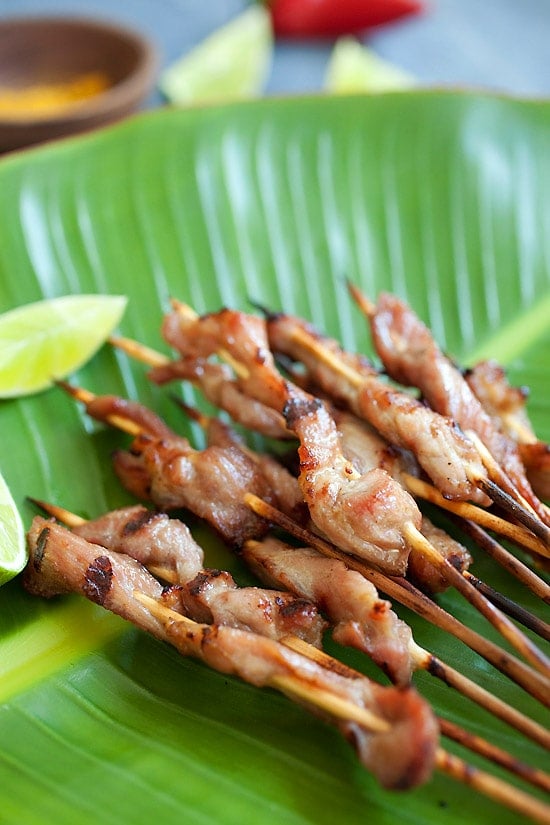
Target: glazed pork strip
x=366, y=449
x=361, y=515
x=61, y=562
x=359, y=617
x=401, y=757
x=441, y=449
x=210, y=483
x=163, y=467
x=411, y=356
x=506, y=404
x=206, y=595
x=282, y=483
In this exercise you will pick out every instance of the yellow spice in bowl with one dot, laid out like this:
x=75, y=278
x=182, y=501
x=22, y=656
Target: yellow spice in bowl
x=49, y=99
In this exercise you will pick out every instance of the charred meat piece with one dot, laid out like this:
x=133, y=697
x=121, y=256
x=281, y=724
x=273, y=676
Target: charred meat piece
x=61, y=562
x=205, y=595
x=218, y=387
x=362, y=445
x=401, y=755
x=360, y=618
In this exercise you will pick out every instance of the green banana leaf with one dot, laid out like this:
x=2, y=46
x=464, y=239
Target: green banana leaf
x=441, y=197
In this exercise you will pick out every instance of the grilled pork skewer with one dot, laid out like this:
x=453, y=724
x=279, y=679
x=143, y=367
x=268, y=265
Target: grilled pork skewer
x=393, y=731
x=411, y=357
x=444, y=761
x=365, y=448
x=338, y=497
x=402, y=591
x=167, y=549
x=254, y=415
x=395, y=461
x=343, y=595
x=448, y=457
x=352, y=603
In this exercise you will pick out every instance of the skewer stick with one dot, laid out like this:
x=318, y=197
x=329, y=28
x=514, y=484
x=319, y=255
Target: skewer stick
x=336, y=707
x=343, y=710
x=139, y=352
x=514, y=532
x=403, y=591
x=475, y=743
x=511, y=608
x=506, y=559
x=86, y=397
x=493, y=615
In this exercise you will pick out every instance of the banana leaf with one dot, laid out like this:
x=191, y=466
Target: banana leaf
x=440, y=197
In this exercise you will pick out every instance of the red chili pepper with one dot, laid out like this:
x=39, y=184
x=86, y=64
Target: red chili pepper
x=333, y=18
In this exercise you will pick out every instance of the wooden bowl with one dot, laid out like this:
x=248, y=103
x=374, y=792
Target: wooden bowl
x=108, y=69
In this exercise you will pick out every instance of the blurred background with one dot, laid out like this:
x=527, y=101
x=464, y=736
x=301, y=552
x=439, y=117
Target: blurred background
x=502, y=45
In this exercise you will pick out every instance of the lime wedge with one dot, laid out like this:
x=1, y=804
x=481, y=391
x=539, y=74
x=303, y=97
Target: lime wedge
x=49, y=339
x=231, y=64
x=13, y=553
x=355, y=68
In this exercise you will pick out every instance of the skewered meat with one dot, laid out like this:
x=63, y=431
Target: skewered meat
x=363, y=515
x=359, y=616
x=163, y=467
x=401, y=756
x=362, y=445
x=411, y=356
x=155, y=540
x=446, y=455
x=60, y=562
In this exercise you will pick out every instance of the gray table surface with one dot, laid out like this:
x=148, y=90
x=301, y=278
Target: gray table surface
x=502, y=45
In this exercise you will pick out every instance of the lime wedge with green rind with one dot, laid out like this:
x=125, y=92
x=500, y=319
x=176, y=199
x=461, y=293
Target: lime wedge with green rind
x=13, y=553
x=354, y=68
x=50, y=339
x=231, y=64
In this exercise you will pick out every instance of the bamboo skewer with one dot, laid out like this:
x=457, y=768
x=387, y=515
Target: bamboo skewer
x=514, y=532
x=475, y=743
x=511, y=608
x=343, y=710
x=404, y=592
x=507, y=560
x=495, y=616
